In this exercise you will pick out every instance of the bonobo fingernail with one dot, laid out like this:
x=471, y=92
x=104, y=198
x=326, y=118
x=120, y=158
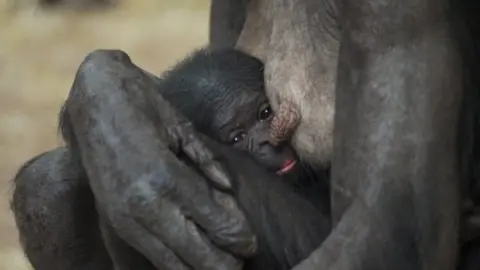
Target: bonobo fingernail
x=217, y=174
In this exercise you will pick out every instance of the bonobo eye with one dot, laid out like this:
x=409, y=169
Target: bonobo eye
x=264, y=112
x=238, y=137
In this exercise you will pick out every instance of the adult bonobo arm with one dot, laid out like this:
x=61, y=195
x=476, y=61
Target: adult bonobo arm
x=395, y=184
x=127, y=137
x=395, y=181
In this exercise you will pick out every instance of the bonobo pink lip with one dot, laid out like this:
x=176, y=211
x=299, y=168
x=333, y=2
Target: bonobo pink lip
x=287, y=166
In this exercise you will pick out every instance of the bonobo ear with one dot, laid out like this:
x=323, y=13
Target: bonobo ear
x=284, y=123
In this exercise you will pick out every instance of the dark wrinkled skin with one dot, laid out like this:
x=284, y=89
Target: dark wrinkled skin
x=52, y=191
x=394, y=129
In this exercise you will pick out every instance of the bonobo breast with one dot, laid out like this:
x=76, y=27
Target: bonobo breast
x=304, y=39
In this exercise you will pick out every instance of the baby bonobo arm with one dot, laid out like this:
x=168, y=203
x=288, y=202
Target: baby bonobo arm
x=127, y=137
x=286, y=120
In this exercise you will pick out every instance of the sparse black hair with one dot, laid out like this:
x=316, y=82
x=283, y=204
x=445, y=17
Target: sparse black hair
x=210, y=78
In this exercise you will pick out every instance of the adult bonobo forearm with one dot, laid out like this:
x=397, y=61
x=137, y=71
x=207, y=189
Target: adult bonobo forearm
x=395, y=179
x=127, y=137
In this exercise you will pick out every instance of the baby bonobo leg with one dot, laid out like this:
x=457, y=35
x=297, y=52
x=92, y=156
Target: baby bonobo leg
x=285, y=122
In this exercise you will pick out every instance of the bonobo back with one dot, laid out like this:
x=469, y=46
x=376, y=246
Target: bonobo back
x=288, y=226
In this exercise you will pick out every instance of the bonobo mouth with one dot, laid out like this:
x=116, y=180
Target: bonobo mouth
x=287, y=166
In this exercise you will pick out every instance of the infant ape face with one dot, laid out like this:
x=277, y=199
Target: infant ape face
x=222, y=92
x=244, y=123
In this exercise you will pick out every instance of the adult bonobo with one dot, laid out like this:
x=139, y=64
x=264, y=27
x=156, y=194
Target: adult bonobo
x=396, y=195
x=400, y=79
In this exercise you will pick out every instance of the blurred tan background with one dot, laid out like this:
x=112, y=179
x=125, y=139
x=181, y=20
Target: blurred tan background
x=40, y=50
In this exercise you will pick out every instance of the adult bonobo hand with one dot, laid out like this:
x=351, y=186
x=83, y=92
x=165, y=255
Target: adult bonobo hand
x=128, y=139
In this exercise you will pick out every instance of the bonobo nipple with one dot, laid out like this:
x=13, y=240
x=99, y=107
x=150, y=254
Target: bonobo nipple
x=284, y=123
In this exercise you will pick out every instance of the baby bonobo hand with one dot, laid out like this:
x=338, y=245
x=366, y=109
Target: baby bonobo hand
x=284, y=123
x=129, y=140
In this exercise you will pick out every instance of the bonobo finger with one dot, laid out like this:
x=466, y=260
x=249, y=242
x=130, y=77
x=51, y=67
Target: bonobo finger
x=192, y=145
x=183, y=236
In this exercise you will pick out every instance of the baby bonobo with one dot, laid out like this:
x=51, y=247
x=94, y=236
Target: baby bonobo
x=228, y=103
x=222, y=93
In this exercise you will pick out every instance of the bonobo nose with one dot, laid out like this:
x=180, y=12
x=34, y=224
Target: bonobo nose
x=279, y=159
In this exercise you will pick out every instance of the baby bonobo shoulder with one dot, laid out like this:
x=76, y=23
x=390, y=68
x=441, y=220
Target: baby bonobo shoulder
x=222, y=92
